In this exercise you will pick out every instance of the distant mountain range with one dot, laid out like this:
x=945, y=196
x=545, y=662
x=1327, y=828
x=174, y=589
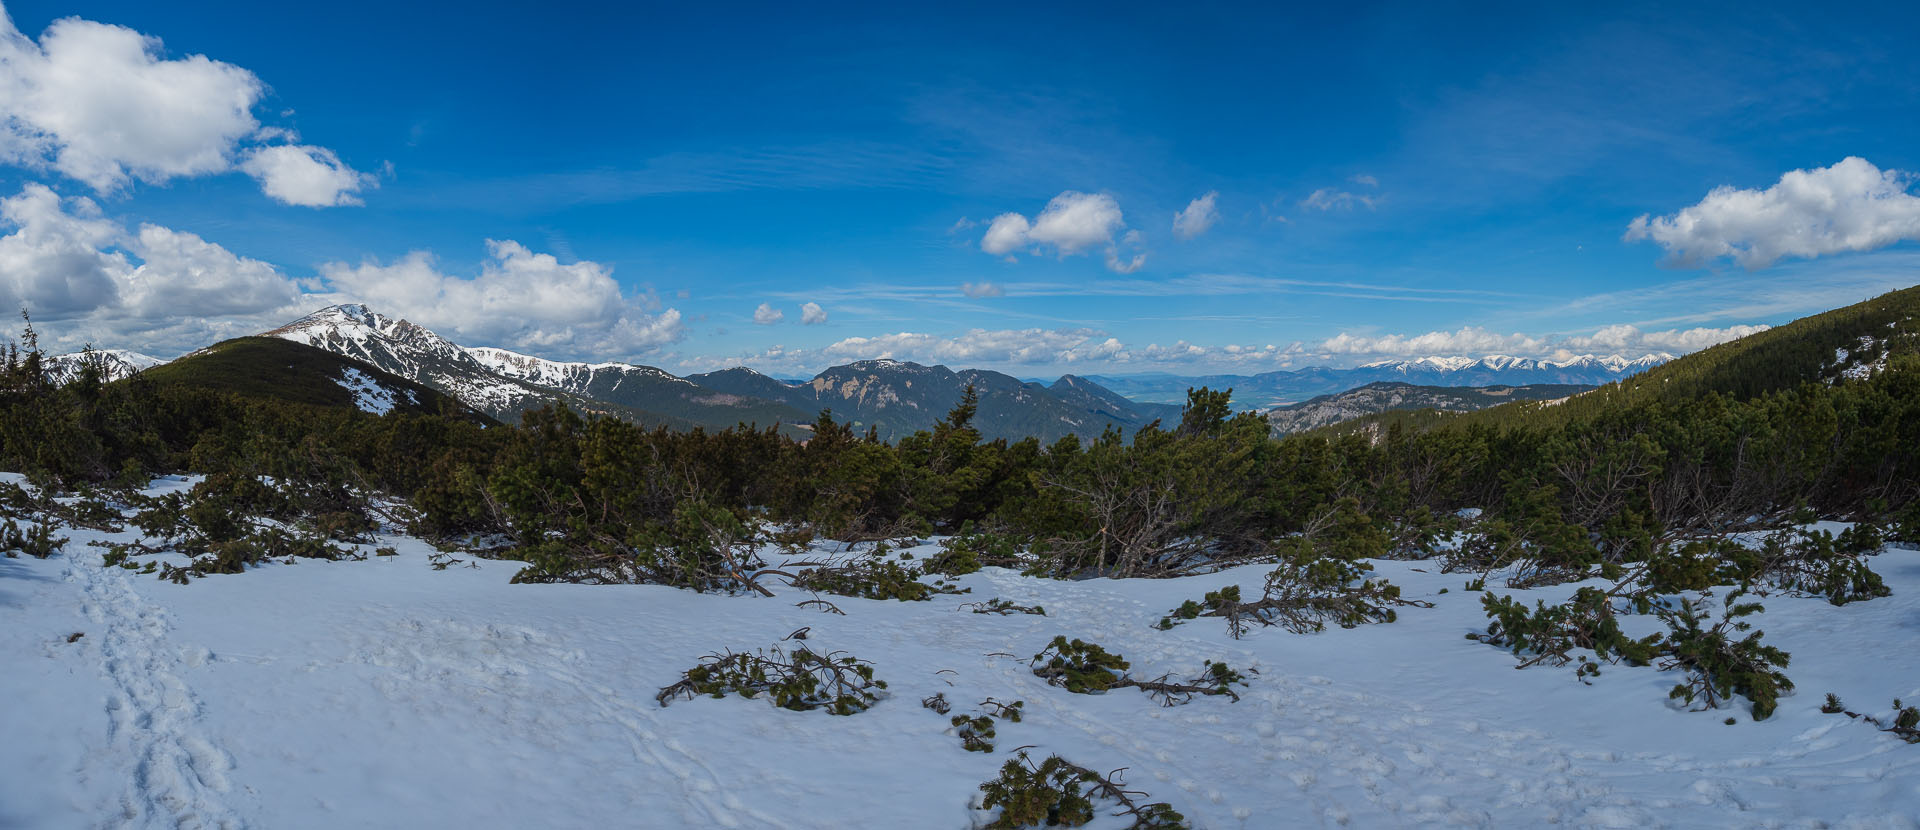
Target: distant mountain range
x=1274, y=389
x=893, y=398
x=897, y=398
x=1391, y=396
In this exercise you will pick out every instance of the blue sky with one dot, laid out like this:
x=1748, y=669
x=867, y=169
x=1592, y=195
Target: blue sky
x=675, y=186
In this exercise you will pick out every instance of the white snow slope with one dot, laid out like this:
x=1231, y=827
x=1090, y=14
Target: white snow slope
x=369, y=395
x=385, y=693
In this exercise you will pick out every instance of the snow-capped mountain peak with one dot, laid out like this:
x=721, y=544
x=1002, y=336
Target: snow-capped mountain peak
x=1441, y=365
x=562, y=374
x=114, y=364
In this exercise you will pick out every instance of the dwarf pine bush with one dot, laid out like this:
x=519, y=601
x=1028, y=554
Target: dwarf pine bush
x=801, y=680
x=1059, y=793
x=1719, y=666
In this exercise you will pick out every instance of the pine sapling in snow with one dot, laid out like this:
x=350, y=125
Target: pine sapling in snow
x=1905, y=719
x=802, y=680
x=1717, y=665
x=1086, y=668
x=1059, y=793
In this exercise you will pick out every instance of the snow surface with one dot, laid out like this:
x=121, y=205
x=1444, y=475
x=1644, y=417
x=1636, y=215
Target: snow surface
x=386, y=693
x=368, y=394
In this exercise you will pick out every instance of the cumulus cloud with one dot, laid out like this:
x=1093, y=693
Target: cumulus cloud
x=1626, y=338
x=811, y=314
x=1850, y=206
x=1198, y=216
x=54, y=262
x=165, y=291
x=1071, y=223
x=182, y=274
x=1468, y=340
x=65, y=262
x=102, y=105
x=304, y=175
x=767, y=315
x=1009, y=348
x=978, y=290
x=1473, y=341
x=979, y=346
x=520, y=299
x=1005, y=234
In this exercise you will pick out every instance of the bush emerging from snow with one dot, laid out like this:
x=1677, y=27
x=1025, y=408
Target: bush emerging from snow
x=1086, y=668
x=801, y=680
x=1004, y=607
x=871, y=578
x=703, y=547
x=970, y=549
x=1059, y=793
x=1303, y=595
x=37, y=541
x=1717, y=665
x=977, y=732
x=1905, y=719
x=1551, y=633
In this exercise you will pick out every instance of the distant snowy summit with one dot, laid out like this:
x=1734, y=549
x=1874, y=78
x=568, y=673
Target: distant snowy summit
x=1608, y=364
x=114, y=364
x=1281, y=388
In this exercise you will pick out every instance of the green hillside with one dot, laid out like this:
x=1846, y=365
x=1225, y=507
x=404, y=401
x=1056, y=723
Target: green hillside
x=1824, y=347
x=275, y=369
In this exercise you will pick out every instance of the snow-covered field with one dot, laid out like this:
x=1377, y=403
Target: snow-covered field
x=386, y=693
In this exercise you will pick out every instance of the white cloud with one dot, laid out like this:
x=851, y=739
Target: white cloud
x=54, y=263
x=1626, y=338
x=102, y=105
x=1006, y=234
x=1364, y=179
x=1198, y=216
x=1071, y=223
x=1473, y=341
x=182, y=274
x=1851, y=206
x=1470, y=340
x=1327, y=198
x=306, y=176
x=978, y=346
x=1092, y=349
x=158, y=290
x=767, y=315
x=520, y=299
x=978, y=290
x=811, y=314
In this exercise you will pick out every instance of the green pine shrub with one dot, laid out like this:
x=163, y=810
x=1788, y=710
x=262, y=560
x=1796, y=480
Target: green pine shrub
x=872, y=578
x=1303, y=595
x=1058, y=793
x=1551, y=633
x=1719, y=666
x=801, y=680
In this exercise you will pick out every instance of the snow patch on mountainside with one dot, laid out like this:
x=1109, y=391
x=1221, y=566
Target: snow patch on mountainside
x=412, y=352
x=572, y=377
x=369, y=395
